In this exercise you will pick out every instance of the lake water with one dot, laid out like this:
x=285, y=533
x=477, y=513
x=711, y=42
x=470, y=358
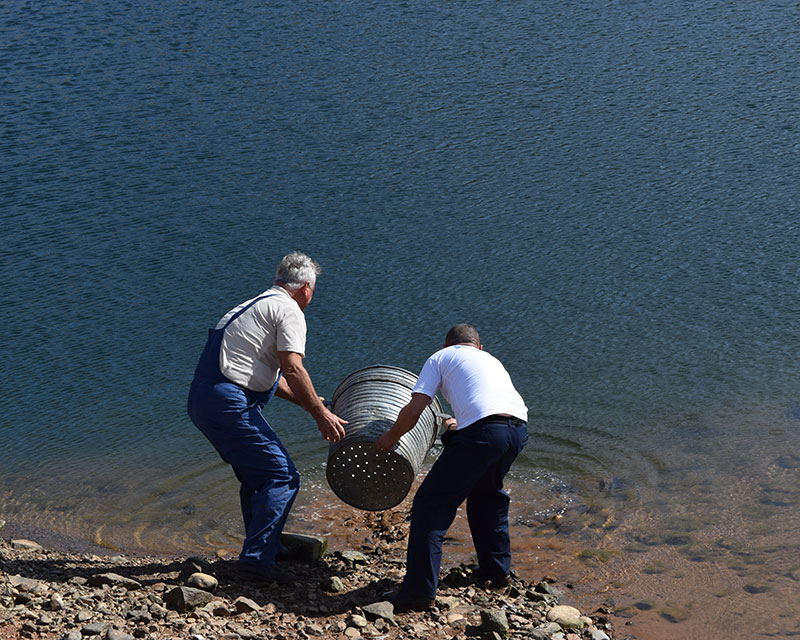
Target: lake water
x=607, y=191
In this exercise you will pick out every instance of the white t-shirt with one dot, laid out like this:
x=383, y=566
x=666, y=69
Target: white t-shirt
x=249, y=352
x=474, y=382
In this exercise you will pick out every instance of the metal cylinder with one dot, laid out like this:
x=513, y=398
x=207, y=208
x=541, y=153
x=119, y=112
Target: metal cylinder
x=370, y=400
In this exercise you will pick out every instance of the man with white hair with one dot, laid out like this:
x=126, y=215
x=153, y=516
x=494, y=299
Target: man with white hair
x=256, y=351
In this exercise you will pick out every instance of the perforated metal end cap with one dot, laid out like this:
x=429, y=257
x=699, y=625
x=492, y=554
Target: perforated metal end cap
x=369, y=479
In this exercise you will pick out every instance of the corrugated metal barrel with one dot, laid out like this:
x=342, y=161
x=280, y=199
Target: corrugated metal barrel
x=370, y=400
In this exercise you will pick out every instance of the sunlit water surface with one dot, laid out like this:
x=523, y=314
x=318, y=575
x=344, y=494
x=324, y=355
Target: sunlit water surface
x=607, y=191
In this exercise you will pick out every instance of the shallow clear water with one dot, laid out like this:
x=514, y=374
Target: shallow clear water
x=608, y=191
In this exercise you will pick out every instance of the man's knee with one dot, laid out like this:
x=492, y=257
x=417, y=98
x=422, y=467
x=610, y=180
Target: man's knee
x=259, y=476
x=426, y=500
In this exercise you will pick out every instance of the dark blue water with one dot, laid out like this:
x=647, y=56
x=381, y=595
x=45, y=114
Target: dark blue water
x=608, y=191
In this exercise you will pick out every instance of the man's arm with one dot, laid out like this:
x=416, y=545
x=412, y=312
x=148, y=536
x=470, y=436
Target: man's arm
x=285, y=391
x=300, y=390
x=406, y=421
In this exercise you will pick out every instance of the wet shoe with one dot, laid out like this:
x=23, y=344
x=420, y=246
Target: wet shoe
x=264, y=573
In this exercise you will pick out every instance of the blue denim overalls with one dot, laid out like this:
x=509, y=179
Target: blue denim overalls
x=229, y=416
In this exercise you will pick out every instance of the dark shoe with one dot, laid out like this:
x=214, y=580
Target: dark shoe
x=289, y=554
x=492, y=582
x=402, y=604
x=499, y=583
x=264, y=573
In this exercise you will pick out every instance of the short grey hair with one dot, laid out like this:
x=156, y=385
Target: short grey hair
x=295, y=269
x=462, y=334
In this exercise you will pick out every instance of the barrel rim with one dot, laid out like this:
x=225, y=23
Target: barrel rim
x=435, y=407
x=345, y=384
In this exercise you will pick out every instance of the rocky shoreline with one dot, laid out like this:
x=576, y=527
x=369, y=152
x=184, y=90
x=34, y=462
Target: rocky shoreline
x=340, y=595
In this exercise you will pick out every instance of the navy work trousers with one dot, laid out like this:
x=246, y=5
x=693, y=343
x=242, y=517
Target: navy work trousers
x=472, y=467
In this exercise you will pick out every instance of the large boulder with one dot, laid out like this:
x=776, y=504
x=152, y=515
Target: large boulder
x=303, y=547
x=494, y=620
x=567, y=617
x=246, y=605
x=202, y=581
x=25, y=545
x=114, y=580
x=184, y=599
x=28, y=585
x=383, y=609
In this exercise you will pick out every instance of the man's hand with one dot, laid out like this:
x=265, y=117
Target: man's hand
x=386, y=442
x=330, y=425
x=406, y=421
x=449, y=423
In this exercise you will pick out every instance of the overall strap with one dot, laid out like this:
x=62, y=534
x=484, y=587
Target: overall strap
x=245, y=308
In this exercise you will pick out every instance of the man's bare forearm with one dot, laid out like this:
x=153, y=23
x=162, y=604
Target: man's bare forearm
x=285, y=391
x=406, y=420
x=300, y=390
